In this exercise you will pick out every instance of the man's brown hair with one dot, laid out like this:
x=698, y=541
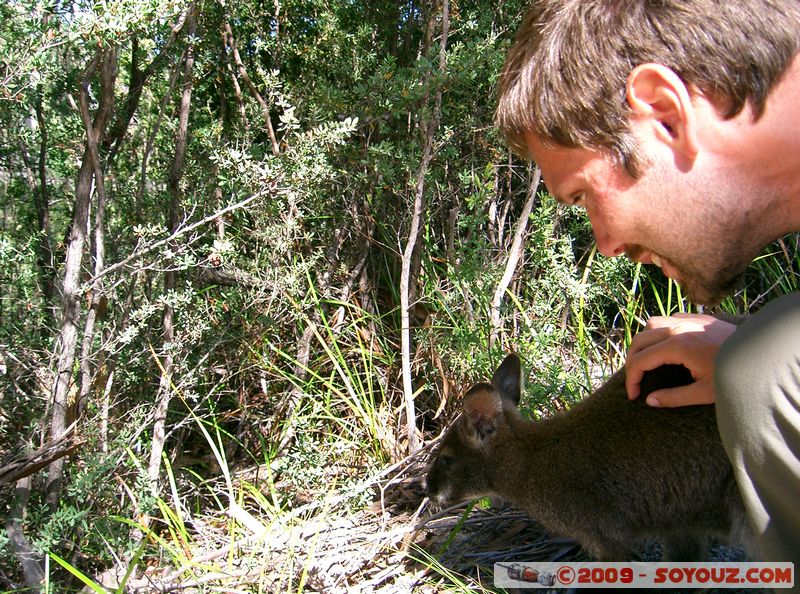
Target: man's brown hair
x=565, y=75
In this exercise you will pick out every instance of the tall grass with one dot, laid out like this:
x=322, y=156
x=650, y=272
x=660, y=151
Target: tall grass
x=344, y=387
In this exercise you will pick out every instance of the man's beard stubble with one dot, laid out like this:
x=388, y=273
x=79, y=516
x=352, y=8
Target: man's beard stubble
x=699, y=284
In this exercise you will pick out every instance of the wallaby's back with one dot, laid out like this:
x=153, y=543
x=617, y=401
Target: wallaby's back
x=608, y=472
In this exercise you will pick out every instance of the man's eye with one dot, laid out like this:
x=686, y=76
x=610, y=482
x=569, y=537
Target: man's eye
x=577, y=199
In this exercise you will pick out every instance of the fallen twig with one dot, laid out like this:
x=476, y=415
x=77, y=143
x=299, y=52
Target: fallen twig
x=32, y=462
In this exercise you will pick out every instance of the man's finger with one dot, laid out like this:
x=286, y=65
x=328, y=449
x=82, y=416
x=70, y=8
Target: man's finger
x=641, y=361
x=700, y=392
x=647, y=338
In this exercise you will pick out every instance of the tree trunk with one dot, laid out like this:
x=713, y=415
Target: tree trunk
x=29, y=559
x=265, y=108
x=98, y=300
x=173, y=219
x=45, y=257
x=47, y=269
x=70, y=302
x=41, y=202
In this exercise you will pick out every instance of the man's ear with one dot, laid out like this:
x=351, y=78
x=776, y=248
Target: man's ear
x=659, y=99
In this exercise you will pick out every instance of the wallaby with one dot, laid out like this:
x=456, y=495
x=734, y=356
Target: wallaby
x=609, y=472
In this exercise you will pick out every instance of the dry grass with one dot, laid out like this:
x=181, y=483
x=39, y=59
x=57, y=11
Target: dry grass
x=397, y=544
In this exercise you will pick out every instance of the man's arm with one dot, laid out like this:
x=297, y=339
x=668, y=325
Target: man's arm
x=691, y=340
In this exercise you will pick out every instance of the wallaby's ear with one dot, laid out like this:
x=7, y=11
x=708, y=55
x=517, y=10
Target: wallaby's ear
x=507, y=380
x=481, y=408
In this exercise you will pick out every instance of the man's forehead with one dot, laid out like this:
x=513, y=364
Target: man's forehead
x=556, y=162
x=561, y=165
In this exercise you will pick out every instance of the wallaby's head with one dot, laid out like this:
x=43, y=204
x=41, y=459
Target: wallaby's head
x=460, y=470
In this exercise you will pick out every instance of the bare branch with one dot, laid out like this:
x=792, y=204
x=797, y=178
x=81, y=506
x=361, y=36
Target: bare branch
x=183, y=231
x=514, y=255
x=33, y=462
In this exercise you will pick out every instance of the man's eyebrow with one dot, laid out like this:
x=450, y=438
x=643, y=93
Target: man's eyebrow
x=554, y=192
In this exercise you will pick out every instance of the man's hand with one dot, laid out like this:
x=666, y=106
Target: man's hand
x=691, y=340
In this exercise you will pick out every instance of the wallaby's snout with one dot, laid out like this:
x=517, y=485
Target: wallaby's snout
x=435, y=488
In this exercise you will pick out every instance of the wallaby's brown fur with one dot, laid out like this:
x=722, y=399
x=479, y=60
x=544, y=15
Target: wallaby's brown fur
x=609, y=472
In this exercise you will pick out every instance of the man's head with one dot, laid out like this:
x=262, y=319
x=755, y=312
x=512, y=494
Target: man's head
x=565, y=76
x=633, y=109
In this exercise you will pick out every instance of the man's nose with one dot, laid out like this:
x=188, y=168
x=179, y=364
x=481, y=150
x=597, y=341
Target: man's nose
x=608, y=246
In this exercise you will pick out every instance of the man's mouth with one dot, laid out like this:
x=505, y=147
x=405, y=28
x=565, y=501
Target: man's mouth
x=666, y=267
x=637, y=253
x=656, y=259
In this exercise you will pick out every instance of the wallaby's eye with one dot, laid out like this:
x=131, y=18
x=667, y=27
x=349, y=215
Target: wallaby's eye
x=447, y=461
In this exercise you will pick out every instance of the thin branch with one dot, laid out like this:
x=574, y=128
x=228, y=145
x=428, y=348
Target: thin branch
x=180, y=232
x=265, y=107
x=407, y=274
x=151, y=138
x=514, y=255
